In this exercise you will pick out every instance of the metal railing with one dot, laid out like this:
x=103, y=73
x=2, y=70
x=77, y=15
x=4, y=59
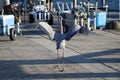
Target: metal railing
x=113, y=16
x=42, y=16
x=64, y=6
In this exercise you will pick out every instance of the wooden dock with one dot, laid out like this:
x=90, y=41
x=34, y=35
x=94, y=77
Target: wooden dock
x=33, y=57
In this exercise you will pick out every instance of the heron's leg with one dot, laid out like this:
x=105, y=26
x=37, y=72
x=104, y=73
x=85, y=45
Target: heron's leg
x=63, y=59
x=57, y=57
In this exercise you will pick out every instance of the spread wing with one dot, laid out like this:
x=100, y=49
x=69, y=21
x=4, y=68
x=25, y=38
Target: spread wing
x=45, y=27
x=58, y=37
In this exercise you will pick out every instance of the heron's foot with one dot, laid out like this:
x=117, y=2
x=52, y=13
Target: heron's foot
x=61, y=70
x=56, y=66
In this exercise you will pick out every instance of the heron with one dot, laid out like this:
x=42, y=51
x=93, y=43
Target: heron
x=60, y=38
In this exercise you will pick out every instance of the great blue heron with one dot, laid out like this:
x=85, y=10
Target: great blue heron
x=61, y=38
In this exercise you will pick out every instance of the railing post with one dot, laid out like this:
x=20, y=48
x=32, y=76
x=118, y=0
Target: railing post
x=75, y=3
x=119, y=10
x=62, y=6
x=88, y=18
x=94, y=20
